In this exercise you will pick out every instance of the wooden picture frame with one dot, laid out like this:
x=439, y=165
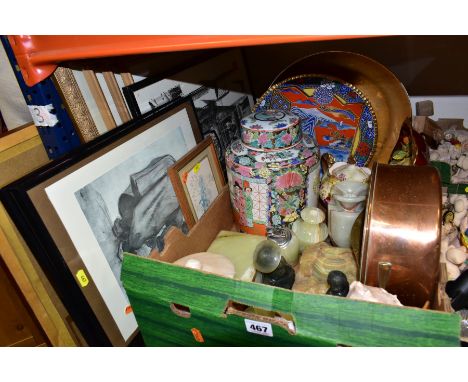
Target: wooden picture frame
x=84, y=97
x=75, y=103
x=78, y=214
x=197, y=179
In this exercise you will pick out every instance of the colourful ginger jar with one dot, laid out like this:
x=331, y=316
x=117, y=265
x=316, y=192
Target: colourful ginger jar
x=273, y=172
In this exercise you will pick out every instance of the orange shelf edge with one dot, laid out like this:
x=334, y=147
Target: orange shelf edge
x=39, y=56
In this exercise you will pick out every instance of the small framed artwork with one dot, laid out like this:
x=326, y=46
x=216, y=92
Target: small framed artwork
x=112, y=195
x=197, y=179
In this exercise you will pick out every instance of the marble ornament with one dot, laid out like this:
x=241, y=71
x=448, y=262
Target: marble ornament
x=317, y=261
x=359, y=291
x=310, y=227
x=208, y=262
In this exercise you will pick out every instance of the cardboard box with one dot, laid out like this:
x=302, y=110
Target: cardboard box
x=445, y=174
x=176, y=306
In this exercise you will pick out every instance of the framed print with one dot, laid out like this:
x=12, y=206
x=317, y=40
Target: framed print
x=78, y=215
x=101, y=96
x=197, y=179
x=75, y=103
x=113, y=86
x=218, y=86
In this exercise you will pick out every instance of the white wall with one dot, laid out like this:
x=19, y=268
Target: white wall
x=445, y=106
x=14, y=110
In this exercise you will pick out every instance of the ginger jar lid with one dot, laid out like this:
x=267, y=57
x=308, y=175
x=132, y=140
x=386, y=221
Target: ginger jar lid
x=271, y=130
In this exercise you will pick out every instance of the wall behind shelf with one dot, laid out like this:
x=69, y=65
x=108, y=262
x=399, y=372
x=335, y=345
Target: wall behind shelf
x=12, y=104
x=445, y=106
x=430, y=67
x=426, y=65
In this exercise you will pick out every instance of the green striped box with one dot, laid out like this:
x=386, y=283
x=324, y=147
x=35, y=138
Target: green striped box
x=176, y=306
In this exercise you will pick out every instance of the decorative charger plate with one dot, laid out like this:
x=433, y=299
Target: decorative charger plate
x=336, y=114
x=381, y=87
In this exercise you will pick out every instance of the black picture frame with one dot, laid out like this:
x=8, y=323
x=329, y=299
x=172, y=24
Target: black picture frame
x=218, y=120
x=84, y=306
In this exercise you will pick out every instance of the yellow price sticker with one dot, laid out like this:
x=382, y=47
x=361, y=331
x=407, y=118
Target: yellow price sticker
x=82, y=278
x=466, y=189
x=196, y=168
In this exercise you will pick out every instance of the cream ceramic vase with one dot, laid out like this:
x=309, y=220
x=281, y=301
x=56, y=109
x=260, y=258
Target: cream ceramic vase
x=310, y=228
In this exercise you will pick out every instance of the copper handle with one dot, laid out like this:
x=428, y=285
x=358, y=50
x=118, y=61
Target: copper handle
x=385, y=267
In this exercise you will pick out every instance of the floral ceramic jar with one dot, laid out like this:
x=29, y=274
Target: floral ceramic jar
x=273, y=172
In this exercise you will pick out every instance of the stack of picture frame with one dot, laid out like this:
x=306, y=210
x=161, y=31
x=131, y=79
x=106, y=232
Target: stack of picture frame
x=79, y=214
x=113, y=194
x=93, y=100
x=219, y=86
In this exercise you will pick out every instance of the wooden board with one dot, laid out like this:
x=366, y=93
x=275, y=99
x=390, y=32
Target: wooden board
x=22, y=151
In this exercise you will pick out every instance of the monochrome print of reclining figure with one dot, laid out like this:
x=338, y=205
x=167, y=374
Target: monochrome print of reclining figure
x=148, y=208
x=96, y=212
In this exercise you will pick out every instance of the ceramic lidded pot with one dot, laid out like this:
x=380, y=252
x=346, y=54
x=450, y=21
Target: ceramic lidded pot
x=341, y=172
x=272, y=171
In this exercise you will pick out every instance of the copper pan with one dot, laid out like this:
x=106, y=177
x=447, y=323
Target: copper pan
x=401, y=237
x=384, y=91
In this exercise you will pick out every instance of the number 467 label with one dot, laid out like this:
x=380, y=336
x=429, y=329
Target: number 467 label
x=258, y=327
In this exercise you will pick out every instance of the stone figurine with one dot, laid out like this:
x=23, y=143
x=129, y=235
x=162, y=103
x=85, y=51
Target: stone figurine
x=338, y=283
x=310, y=228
